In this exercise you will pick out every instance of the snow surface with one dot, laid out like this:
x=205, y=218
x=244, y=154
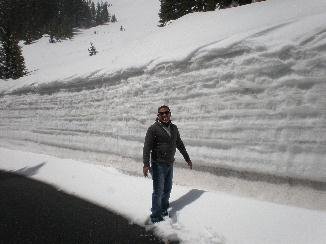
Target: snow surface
x=246, y=86
x=197, y=216
x=247, y=90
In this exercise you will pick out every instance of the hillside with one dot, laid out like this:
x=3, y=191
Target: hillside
x=246, y=87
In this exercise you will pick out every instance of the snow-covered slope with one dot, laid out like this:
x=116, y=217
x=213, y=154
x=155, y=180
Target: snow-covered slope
x=246, y=87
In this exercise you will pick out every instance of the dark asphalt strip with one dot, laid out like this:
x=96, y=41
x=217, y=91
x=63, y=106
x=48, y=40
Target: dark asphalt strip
x=34, y=212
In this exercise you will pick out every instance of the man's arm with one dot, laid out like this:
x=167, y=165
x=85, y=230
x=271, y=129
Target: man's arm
x=182, y=149
x=148, y=146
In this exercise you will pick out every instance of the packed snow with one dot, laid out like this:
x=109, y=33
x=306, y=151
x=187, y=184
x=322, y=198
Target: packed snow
x=247, y=91
x=197, y=216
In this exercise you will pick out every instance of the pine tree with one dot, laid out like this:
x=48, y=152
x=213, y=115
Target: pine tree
x=33, y=18
x=168, y=11
x=28, y=20
x=2, y=62
x=200, y=6
x=211, y=5
x=228, y=3
x=12, y=60
x=12, y=63
x=83, y=15
x=93, y=14
x=105, y=13
x=183, y=7
x=92, y=50
x=244, y=2
x=98, y=17
x=114, y=19
x=174, y=9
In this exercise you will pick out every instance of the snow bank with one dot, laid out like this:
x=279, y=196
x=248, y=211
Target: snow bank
x=246, y=87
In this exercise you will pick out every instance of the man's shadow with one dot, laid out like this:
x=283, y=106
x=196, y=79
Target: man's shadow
x=183, y=201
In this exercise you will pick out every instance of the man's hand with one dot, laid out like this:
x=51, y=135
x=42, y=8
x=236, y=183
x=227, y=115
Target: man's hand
x=189, y=164
x=146, y=168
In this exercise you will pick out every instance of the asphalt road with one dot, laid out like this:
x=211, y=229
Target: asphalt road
x=34, y=212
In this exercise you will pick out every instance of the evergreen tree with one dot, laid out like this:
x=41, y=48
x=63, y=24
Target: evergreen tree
x=28, y=20
x=244, y=2
x=200, y=6
x=211, y=5
x=12, y=63
x=228, y=3
x=174, y=9
x=93, y=13
x=98, y=17
x=83, y=15
x=183, y=7
x=114, y=19
x=168, y=11
x=12, y=60
x=92, y=50
x=105, y=13
x=2, y=62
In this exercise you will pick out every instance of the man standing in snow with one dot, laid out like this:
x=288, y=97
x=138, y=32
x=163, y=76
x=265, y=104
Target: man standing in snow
x=161, y=141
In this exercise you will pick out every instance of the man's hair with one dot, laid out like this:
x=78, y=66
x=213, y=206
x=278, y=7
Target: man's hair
x=163, y=106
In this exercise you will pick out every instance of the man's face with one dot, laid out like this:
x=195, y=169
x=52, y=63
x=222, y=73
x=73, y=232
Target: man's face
x=164, y=115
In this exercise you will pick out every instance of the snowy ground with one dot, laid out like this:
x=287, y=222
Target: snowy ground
x=246, y=87
x=247, y=90
x=197, y=216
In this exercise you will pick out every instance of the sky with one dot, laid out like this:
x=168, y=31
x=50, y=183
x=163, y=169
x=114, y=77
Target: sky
x=247, y=91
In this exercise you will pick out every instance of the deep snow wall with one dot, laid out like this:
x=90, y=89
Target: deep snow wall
x=242, y=107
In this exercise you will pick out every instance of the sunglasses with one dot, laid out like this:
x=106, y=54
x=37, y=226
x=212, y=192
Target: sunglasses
x=162, y=113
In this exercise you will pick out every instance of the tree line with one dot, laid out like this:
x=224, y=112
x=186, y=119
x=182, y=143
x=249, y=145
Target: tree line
x=28, y=20
x=174, y=9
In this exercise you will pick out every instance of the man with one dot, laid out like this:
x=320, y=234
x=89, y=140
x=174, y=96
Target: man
x=162, y=139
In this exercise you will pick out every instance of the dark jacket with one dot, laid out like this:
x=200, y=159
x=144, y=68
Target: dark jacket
x=160, y=146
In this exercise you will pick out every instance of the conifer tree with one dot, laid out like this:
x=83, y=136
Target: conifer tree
x=200, y=6
x=12, y=60
x=92, y=50
x=168, y=11
x=211, y=5
x=105, y=13
x=183, y=7
x=2, y=62
x=228, y=3
x=243, y=2
x=174, y=9
x=93, y=13
x=114, y=19
x=98, y=17
x=83, y=15
x=28, y=20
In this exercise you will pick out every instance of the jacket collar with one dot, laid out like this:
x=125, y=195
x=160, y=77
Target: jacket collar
x=162, y=127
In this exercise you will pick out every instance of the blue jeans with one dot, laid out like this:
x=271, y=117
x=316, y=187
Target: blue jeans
x=162, y=174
